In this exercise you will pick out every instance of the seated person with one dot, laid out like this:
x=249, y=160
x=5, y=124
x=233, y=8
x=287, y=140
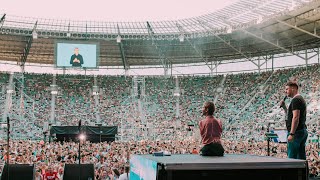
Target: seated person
x=210, y=131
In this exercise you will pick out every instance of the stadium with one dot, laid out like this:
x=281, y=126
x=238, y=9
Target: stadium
x=139, y=87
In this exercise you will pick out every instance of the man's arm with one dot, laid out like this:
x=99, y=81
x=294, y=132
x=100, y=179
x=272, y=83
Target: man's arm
x=220, y=123
x=284, y=106
x=295, y=121
x=200, y=131
x=81, y=60
x=294, y=124
x=71, y=59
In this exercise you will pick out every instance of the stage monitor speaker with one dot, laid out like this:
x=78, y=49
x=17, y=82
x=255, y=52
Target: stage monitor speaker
x=18, y=172
x=71, y=172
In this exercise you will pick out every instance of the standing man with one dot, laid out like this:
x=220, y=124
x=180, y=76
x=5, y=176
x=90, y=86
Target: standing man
x=210, y=131
x=296, y=119
x=76, y=59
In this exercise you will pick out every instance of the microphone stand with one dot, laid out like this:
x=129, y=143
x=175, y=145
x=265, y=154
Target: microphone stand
x=79, y=152
x=8, y=140
x=268, y=142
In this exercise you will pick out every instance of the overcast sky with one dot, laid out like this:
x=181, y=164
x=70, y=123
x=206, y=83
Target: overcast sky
x=116, y=10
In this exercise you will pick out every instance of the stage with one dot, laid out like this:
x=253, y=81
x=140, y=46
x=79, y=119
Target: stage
x=228, y=167
x=94, y=134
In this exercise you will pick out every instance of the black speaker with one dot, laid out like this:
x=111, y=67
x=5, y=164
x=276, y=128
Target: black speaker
x=18, y=171
x=71, y=172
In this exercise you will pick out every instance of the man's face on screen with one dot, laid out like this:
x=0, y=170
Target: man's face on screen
x=76, y=51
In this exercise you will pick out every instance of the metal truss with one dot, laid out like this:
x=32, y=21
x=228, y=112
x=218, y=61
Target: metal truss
x=274, y=44
x=241, y=13
x=229, y=44
x=159, y=49
x=26, y=50
x=245, y=30
x=122, y=52
x=194, y=46
x=299, y=29
x=2, y=20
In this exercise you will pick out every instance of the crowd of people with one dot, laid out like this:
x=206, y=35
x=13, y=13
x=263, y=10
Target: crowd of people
x=246, y=103
x=111, y=158
x=249, y=98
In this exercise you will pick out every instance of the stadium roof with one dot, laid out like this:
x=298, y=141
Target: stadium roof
x=247, y=29
x=115, y=11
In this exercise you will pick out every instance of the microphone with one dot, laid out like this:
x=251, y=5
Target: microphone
x=8, y=125
x=284, y=99
x=79, y=126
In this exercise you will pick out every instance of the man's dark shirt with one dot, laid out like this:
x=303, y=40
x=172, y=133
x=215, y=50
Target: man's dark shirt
x=297, y=103
x=79, y=57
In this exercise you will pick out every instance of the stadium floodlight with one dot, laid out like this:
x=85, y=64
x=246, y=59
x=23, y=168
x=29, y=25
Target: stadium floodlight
x=3, y=125
x=118, y=39
x=229, y=29
x=181, y=38
x=293, y=5
x=68, y=34
x=10, y=91
x=82, y=137
x=176, y=92
x=54, y=92
x=259, y=19
x=34, y=34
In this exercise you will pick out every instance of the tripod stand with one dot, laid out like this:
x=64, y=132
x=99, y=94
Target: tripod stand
x=7, y=125
x=269, y=135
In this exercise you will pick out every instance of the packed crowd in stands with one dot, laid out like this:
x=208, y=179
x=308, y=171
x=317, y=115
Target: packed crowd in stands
x=246, y=103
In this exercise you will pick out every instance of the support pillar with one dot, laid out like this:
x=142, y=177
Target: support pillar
x=259, y=66
x=306, y=59
x=8, y=102
x=272, y=63
x=54, y=92
x=95, y=91
x=318, y=56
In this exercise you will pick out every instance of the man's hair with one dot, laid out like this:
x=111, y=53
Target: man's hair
x=292, y=84
x=209, y=107
x=126, y=169
x=116, y=172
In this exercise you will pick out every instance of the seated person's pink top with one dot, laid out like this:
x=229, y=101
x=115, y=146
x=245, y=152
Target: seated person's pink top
x=210, y=130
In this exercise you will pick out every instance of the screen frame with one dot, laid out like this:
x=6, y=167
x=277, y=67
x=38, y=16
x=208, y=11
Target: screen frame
x=142, y=157
x=76, y=42
x=276, y=130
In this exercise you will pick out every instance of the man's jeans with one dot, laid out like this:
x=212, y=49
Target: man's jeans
x=297, y=147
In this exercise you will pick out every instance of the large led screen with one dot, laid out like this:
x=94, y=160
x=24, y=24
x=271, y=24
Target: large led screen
x=73, y=54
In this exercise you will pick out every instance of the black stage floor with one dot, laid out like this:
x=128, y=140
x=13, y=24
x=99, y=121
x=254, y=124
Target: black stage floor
x=229, y=161
x=230, y=166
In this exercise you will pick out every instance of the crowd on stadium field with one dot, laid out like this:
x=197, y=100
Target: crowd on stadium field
x=109, y=159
